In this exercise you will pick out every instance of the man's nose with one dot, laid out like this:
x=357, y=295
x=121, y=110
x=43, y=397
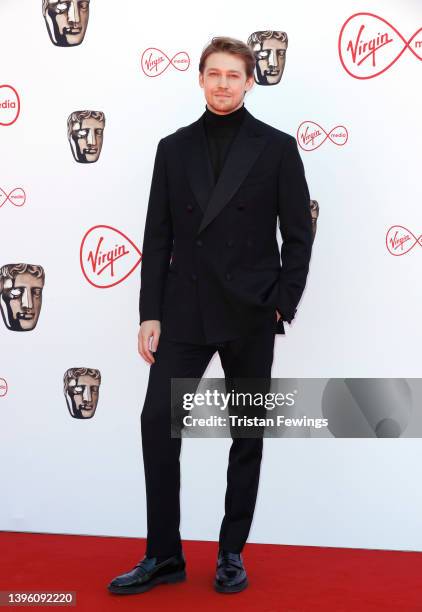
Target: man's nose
x=27, y=298
x=272, y=58
x=73, y=14
x=223, y=82
x=91, y=140
x=87, y=393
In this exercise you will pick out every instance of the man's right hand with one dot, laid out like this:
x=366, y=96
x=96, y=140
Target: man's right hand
x=147, y=330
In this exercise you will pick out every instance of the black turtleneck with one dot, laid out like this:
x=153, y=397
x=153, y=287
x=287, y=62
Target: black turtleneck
x=220, y=131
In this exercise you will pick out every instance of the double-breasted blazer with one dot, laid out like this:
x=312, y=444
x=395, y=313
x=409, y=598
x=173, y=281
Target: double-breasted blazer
x=211, y=267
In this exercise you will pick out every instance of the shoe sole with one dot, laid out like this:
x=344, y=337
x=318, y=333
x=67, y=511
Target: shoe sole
x=236, y=588
x=170, y=579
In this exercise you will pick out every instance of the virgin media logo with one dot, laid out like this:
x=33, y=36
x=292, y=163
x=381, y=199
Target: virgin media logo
x=17, y=197
x=310, y=135
x=154, y=61
x=400, y=240
x=10, y=105
x=107, y=256
x=3, y=387
x=368, y=45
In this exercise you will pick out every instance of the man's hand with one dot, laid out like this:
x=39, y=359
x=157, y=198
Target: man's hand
x=278, y=315
x=148, y=329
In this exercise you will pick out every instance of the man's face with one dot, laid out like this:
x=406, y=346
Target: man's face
x=82, y=396
x=224, y=82
x=67, y=21
x=270, y=60
x=21, y=300
x=86, y=140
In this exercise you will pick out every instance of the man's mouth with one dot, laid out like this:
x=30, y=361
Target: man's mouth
x=25, y=315
x=72, y=31
x=90, y=151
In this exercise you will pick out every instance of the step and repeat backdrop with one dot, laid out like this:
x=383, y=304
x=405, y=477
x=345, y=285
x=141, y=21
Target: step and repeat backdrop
x=87, y=89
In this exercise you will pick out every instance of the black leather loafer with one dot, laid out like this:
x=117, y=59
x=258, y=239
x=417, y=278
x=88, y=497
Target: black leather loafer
x=230, y=575
x=148, y=573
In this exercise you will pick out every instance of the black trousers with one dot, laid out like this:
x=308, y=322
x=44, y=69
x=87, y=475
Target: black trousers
x=250, y=356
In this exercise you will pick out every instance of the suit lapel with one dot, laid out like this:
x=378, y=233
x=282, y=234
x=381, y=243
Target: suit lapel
x=244, y=150
x=198, y=164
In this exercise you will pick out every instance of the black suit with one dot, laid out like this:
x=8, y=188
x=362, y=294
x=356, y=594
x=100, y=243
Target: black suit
x=211, y=270
x=219, y=293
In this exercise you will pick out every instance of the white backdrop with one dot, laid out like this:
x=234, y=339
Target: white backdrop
x=359, y=315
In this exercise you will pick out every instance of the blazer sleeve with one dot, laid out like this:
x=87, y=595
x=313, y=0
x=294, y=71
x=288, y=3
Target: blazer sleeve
x=157, y=243
x=295, y=222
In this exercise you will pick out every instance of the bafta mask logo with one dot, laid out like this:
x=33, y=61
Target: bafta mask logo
x=81, y=389
x=66, y=21
x=314, y=215
x=85, y=133
x=21, y=288
x=269, y=48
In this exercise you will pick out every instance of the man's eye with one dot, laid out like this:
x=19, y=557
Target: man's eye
x=99, y=131
x=282, y=52
x=77, y=390
x=262, y=54
x=83, y=5
x=61, y=7
x=82, y=133
x=14, y=293
x=37, y=290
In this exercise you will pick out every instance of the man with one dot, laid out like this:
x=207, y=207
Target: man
x=218, y=186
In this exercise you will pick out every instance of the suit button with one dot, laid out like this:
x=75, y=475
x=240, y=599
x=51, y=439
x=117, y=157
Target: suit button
x=228, y=276
x=240, y=206
x=230, y=243
x=199, y=242
x=189, y=207
x=194, y=276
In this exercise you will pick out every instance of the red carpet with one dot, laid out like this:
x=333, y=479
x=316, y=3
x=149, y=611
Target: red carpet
x=281, y=578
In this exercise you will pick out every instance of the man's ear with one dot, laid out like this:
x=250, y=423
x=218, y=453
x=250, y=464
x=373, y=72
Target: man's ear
x=252, y=82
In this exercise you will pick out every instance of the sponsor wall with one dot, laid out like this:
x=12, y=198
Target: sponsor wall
x=87, y=89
